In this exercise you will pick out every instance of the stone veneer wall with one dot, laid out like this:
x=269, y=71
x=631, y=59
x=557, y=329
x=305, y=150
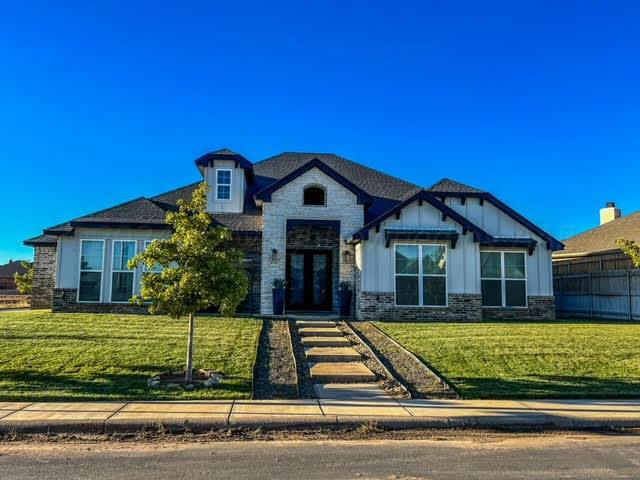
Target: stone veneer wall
x=539, y=308
x=380, y=306
x=44, y=276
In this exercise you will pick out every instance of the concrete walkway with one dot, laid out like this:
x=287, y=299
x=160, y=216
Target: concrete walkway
x=97, y=417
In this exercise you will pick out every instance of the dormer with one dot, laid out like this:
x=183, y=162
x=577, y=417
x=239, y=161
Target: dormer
x=228, y=175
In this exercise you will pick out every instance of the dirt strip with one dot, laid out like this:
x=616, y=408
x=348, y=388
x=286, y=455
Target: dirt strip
x=421, y=381
x=305, y=384
x=275, y=373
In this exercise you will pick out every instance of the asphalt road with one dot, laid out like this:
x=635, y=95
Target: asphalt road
x=531, y=458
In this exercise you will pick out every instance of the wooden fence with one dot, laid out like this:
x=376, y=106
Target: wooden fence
x=607, y=295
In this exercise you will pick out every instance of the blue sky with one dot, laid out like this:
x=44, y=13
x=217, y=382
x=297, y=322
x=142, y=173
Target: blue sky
x=101, y=102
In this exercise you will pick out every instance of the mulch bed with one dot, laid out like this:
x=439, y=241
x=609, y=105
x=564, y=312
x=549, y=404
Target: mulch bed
x=275, y=372
x=385, y=379
x=421, y=381
x=305, y=384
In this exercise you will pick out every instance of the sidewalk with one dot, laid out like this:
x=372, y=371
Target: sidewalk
x=110, y=417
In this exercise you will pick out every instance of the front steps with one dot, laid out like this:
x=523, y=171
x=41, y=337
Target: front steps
x=332, y=362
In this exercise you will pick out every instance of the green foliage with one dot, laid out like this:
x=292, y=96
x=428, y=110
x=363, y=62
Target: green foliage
x=630, y=248
x=344, y=285
x=278, y=283
x=198, y=270
x=24, y=281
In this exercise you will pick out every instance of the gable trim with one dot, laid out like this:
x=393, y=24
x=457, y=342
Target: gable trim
x=425, y=196
x=551, y=243
x=363, y=197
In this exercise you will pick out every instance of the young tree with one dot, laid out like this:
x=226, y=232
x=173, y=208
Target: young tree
x=24, y=281
x=197, y=270
x=630, y=248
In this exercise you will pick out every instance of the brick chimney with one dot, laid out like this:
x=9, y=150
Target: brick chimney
x=609, y=213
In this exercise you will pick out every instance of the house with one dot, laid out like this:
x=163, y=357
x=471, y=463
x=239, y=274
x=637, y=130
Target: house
x=447, y=252
x=595, y=250
x=7, y=276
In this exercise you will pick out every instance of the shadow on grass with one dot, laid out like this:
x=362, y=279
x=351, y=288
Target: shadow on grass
x=547, y=386
x=34, y=386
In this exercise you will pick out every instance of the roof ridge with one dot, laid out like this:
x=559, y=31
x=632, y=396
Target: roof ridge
x=447, y=179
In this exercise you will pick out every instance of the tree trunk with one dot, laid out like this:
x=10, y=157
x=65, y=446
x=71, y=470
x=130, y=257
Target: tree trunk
x=188, y=375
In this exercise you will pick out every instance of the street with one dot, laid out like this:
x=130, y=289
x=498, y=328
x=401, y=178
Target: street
x=501, y=456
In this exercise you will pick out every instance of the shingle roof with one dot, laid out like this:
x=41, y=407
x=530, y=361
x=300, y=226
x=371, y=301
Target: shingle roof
x=604, y=237
x=43, y=239
x=451, y=186
x=11, y=268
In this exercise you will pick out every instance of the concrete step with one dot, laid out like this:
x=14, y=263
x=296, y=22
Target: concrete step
x=326, y=342
x=320, y=332
x=332, y=354
x=351, y=391
x=315, y=323
x=356, y=372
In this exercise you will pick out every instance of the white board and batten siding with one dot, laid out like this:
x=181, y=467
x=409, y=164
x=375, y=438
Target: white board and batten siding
x=238, y=187
x=463, y=262
x=68, y=253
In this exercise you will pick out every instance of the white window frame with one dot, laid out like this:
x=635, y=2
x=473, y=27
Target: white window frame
x=230, y=185
x=128, y=270
x=421, y=275
x=145, y=245
x=503, y=279
x=80, y=270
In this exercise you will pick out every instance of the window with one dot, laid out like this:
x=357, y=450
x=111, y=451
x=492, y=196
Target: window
x=504, y=279
x=421, y=275
x=121, y=276
x=223, y=184
x=157, y=268
x=314, y=195
x=91, y=265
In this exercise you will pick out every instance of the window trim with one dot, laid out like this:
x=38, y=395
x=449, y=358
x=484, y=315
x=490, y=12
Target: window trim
x=421, y=275
x=230, y=170
x=128, y=270
x=315, y=185
x=503, y=280
x=80, y=271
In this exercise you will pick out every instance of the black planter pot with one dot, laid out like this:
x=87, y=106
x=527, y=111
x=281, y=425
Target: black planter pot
x=278, y=301
x=345, y=303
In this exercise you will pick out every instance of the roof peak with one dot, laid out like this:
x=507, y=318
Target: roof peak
x=446, y=184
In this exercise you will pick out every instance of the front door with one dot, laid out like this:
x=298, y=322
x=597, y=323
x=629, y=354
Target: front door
x=309, y=280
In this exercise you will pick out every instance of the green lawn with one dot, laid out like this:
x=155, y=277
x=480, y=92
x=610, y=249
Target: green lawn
x=45, y=356
x=568, y=359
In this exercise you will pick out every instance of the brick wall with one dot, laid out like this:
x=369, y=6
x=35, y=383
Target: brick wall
x=539, y=308
x=44, y=275
x=251, y=246
x=380, y=306
x=65, y=300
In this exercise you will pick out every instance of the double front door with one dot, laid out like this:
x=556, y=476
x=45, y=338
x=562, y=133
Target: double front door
x=309, y=280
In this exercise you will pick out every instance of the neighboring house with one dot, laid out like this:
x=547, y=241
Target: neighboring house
x=7, y=279
x=448, y=252
x=595, y=250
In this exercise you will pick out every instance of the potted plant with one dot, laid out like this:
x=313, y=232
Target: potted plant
x=344, y=289
x=278, y=285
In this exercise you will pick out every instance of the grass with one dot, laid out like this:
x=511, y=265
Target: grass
x=46, y=356
x=564, y=359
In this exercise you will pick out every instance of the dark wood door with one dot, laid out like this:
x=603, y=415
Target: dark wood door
x=309, y=280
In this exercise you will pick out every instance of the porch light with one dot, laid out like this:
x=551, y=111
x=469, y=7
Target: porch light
x=347, y=256
x=274, y=255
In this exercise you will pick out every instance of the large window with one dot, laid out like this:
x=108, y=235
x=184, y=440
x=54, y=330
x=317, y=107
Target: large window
x=91, y=266
x=421, y=275
x=504, y=279
x=223, y=184
x=157, y=268
x=122, y=276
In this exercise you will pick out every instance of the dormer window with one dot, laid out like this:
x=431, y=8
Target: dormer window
x=223, y=184
x=315, y=195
